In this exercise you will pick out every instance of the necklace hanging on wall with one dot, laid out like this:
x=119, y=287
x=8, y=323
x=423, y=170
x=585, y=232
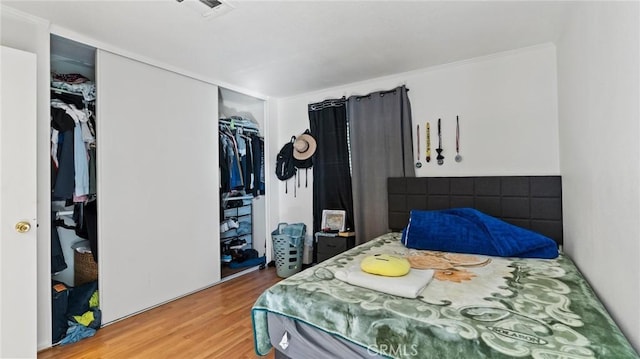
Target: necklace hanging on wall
x=440, y=157
x=458, y=157
x=428, y=143
x=418, y=163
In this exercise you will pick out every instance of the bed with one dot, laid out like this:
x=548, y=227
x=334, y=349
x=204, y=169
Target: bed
x=474, y=306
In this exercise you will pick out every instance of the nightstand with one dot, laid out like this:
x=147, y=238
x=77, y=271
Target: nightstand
x=328, y=245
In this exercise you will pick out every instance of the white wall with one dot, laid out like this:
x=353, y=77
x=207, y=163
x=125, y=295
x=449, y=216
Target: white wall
x=599, y=153
x=507, y=105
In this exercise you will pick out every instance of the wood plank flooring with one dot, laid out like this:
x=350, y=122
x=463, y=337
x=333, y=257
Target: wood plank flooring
x=213, y=323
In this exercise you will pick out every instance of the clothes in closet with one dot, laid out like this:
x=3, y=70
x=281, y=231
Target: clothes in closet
x=241, y=151
x=73, y=159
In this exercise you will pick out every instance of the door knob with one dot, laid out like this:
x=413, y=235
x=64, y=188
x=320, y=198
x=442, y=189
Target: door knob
x=23, y=227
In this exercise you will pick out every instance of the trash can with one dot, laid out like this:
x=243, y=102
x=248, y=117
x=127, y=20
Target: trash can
x=288, y=242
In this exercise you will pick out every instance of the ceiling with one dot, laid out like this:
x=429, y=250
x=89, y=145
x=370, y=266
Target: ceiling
x=285, y=48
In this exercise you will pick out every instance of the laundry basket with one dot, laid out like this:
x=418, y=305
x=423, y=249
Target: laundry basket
x=288, y=242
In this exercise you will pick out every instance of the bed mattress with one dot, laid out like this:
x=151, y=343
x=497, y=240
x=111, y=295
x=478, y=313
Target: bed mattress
x=475, y=307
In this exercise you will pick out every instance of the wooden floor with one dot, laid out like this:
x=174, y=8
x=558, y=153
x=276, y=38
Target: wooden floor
x=213, y=323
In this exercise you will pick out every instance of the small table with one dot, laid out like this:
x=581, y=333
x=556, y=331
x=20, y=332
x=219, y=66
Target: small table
x=328, y=245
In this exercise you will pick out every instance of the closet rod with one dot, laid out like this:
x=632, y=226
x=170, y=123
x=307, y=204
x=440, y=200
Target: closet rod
x=235, y=124
x=64, y=213
x=58, y=90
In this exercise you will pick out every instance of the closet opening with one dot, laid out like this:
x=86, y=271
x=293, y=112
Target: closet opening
x=242, y=182
x=74, y=244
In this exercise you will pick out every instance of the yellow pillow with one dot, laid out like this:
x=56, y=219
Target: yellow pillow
x=386, y=265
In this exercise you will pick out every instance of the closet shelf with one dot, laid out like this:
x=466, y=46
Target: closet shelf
x=238, y=197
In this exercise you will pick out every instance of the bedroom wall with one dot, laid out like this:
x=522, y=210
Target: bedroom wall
x=507, y=103
x=598, y=57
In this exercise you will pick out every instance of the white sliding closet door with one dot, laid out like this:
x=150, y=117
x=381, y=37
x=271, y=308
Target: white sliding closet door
x=158, y=215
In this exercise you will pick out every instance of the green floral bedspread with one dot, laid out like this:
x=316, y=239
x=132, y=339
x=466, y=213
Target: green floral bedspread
x=475, y=307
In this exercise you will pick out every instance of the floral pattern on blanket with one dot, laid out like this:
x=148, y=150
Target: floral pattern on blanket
x=476, y=307
x=447, y=266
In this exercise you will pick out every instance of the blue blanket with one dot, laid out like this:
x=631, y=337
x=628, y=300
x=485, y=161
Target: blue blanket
x=466, y=230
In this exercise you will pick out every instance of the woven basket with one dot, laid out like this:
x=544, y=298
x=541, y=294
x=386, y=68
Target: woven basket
x=85, y=268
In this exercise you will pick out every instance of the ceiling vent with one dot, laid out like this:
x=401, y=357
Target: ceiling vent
x=207, y=8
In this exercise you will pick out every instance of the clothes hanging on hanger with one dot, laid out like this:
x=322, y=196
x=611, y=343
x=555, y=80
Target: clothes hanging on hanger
x=257, y=147
x=231, y=157
x=241, y=157
x=72, y=150
x=58, y=262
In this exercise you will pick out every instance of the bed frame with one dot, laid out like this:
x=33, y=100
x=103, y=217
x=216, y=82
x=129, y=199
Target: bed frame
x=532, y=202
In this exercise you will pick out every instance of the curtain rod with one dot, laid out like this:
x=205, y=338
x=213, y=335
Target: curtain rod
x=381, y=93
x=338, y=102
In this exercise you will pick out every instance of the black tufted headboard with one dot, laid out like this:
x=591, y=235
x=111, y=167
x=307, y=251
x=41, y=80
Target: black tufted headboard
x=532, y=202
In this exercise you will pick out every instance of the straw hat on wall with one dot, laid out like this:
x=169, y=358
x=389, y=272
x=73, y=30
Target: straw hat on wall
x=304, y=147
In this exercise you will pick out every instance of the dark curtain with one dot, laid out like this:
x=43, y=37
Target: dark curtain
x=331, y=173
x=381, y=147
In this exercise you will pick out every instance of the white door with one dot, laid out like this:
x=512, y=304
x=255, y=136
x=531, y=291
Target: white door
x=18, y=282
x=158, y=212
